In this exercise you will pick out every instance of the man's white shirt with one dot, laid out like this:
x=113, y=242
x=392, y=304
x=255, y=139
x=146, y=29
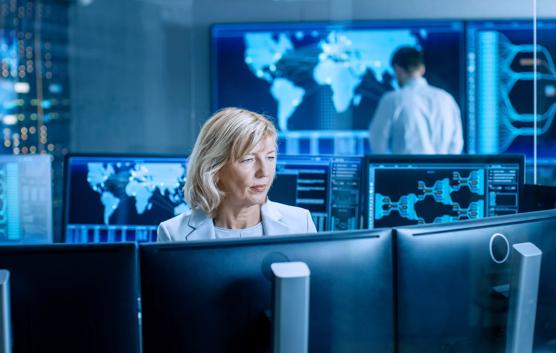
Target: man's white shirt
x=417, y=119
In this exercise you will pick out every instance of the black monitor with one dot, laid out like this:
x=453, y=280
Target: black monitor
x=421, y=189
x=115, y=198
x=538, y=197
x=323, y=81
x=328, y=186
x=25, y=199
x=452, y=283
x=216, y=296
x=73, y=298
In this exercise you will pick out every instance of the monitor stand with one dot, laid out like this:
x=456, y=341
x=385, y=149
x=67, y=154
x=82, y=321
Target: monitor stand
x=524, y=288
x=5, y=316
x=290, y=324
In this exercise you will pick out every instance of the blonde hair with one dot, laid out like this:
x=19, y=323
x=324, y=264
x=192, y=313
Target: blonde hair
x=227, y=136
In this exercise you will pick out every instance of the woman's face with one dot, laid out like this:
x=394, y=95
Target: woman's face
x=246, y=182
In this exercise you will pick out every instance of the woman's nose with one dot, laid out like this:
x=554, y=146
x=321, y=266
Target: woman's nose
x=263, y=168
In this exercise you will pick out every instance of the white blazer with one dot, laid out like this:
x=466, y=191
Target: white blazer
x=277, y=219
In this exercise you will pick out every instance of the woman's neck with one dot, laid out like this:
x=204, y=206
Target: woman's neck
x=234, y=217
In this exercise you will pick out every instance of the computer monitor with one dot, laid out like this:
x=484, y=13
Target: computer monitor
x=538, y=197
x=500, y=80
x=407, y=190
x=216, y=296
x=70, y=298
x=322, y=81
x=328, y=186
x=25, y=199
x=115, y=198
x=452, y=283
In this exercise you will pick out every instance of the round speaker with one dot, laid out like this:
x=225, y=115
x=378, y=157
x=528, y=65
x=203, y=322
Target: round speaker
x=499, y=248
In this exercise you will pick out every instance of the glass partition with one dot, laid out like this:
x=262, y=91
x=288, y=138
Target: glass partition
x=545, y=91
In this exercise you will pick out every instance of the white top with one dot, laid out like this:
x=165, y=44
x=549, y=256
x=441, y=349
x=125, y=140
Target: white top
x=225, y=233
x=277, y=219
x=417, y=119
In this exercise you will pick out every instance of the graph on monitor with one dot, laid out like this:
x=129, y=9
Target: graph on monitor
x=407, y=192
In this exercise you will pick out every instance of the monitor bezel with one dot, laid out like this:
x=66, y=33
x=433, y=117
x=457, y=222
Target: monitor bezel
x=382, y=235
x=265, y=240
x=66, y=191
x=129, y=249
x=448, y=228
x=411, y=234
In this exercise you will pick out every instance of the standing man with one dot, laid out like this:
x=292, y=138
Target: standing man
x=417, y=118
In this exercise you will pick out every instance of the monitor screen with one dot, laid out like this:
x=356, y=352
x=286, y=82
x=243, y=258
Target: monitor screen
x=406, y=190
x=25, y=199
x=73, y=298
x=322, y=81
x=121, y=198
x=328, y=186
x=452, y=295
x=500, y=87
x=216, y=296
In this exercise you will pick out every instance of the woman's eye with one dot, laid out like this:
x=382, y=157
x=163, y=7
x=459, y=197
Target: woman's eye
x=271, y=158
x=247, y=160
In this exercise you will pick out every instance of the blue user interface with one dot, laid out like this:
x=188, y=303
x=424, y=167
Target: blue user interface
x=116, y=198
x=329, y=187
x=500, y=82
x=428, y=191
x=25, y=199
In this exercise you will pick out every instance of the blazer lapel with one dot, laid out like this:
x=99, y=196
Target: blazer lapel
x=200, y=226
x=273, y=220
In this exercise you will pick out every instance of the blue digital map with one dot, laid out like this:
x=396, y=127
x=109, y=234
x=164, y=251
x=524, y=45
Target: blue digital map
x=344, y=57
x=137, y=181
x=322, y=82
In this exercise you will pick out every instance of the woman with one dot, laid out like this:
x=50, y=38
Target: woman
x=230, y=171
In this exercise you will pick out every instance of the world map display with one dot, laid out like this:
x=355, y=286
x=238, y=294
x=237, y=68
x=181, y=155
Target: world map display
x=125, y=191
x=321, y=79
x=139, y=182
x=343, y=58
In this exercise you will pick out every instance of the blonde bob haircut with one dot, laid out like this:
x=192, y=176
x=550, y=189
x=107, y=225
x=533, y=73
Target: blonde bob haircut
x=227, y=136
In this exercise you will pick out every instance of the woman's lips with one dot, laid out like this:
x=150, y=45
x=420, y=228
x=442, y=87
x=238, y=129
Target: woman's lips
x=258, y=188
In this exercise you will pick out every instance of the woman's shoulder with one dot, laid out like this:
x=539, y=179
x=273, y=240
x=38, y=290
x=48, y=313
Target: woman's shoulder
x=296, y=219
x=176, y=226
x=287, y=210
x=190, y=225
x=178, y=220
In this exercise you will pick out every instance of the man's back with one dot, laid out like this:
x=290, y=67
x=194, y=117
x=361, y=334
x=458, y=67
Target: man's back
x=417, y=119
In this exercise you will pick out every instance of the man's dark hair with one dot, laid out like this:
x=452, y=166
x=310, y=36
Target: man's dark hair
x=408, y=58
